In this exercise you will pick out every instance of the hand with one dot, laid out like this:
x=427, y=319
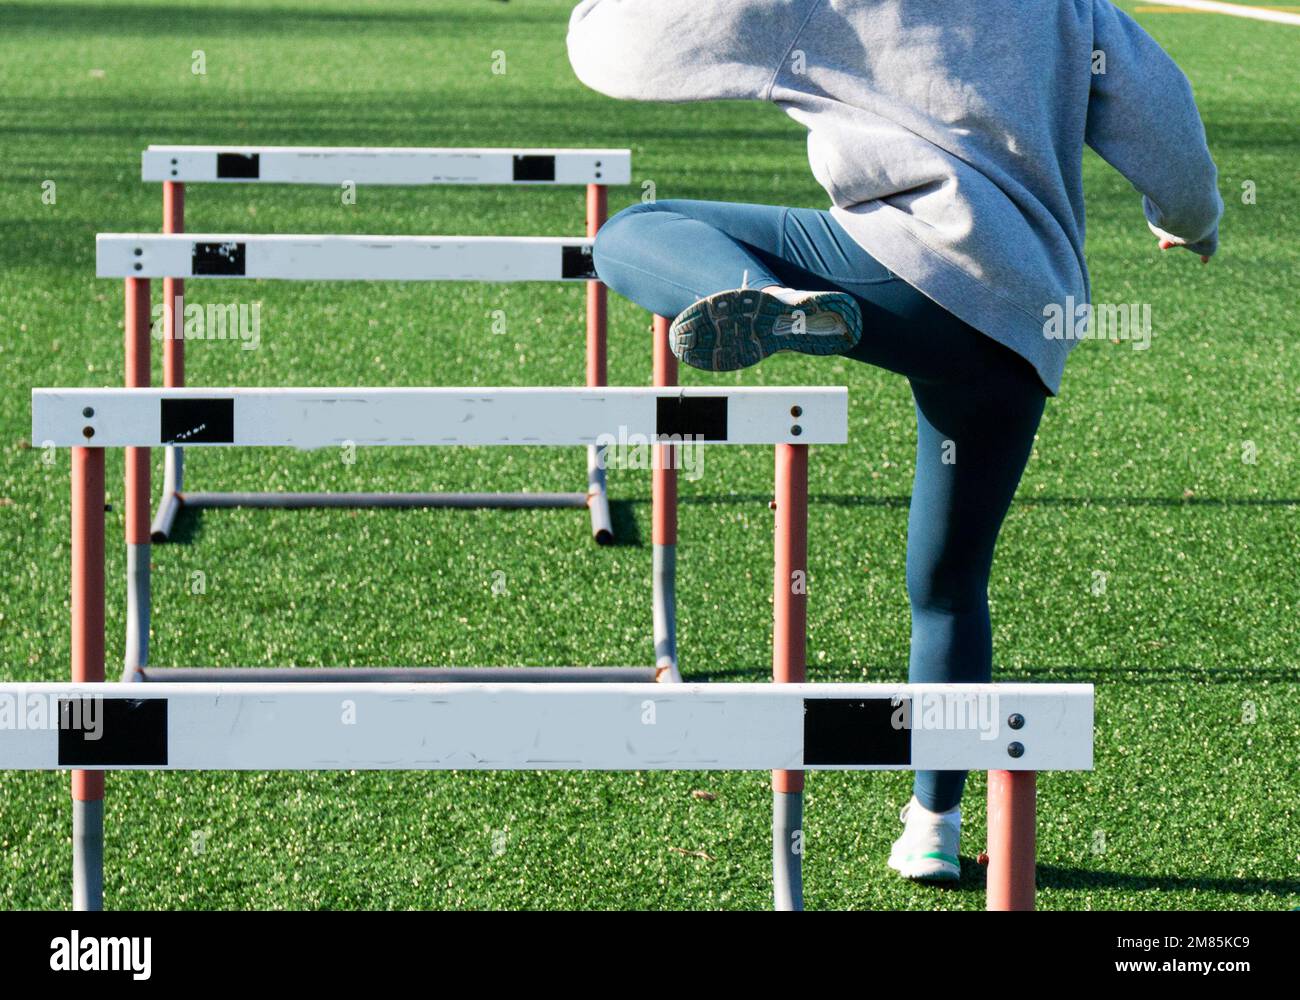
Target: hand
x=1170, y=244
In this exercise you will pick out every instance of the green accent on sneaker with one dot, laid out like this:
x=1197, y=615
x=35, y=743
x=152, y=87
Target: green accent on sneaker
x=741, y=327
x=935, y=855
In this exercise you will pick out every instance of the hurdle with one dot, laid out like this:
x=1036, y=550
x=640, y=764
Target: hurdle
x=592, y=727
x=176, y=166
x=140, y=257
x=787, y=727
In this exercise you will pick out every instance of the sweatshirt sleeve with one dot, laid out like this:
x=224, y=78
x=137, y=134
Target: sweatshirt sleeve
x=1142, y=119
x=681, y=50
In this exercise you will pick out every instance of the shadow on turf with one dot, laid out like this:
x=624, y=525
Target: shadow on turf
x=1180, y=673
x=308, y=122
x=974, y=879
x=627, y=532
x=902, y=501
x=146, y=19
x=187, y=528
x=825, y=673
x=1055, y=877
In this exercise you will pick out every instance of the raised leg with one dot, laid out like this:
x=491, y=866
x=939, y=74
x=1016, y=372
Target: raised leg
x=87, y=667
x=789, y=655
x=173, y=365
x=664, y=517
x=1012, y=808
x=137, y=490
x=602, y=527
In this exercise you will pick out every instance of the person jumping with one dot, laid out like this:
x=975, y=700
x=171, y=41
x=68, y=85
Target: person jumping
x=949, y=138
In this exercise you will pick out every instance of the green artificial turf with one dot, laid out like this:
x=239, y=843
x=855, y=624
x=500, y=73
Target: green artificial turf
x=1138, y=475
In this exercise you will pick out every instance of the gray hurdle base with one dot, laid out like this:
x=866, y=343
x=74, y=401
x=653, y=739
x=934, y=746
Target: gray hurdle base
x=395, y=675
x=175, y=166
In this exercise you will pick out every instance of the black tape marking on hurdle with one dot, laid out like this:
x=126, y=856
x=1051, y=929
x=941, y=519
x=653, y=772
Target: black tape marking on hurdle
x=127, y=732
x=534, y=168
x=245, y=166
x=855, y=731
x=697, y=418
x=197, y=421
x=133, y=732
x=576, y=262
x=217, y=258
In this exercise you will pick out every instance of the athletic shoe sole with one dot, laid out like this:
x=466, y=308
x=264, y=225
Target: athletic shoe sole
x=741, y=327
x=933, y=867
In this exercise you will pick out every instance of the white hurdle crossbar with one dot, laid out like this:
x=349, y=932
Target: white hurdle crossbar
x=547, y=727
x=344, y=258
x=455, y=259
x=406, y=166
x=322, y=418
x=89, y=420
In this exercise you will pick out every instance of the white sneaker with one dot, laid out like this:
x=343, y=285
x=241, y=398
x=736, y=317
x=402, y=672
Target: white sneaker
x=928, y=847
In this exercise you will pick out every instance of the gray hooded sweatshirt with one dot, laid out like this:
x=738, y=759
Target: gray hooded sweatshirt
x=948, y=134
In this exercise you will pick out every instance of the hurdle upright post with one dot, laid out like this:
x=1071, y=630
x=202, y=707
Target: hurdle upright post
x=664, y=517
x=602, y=527
x=87, y=667
x=1012, y=818
x=173, y=291
x=137, y=484
x=789, y=658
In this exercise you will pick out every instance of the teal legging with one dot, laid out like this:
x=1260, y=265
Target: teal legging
x=978, y=403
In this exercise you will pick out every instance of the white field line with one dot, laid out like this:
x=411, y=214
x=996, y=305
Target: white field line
x=1231, y=9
